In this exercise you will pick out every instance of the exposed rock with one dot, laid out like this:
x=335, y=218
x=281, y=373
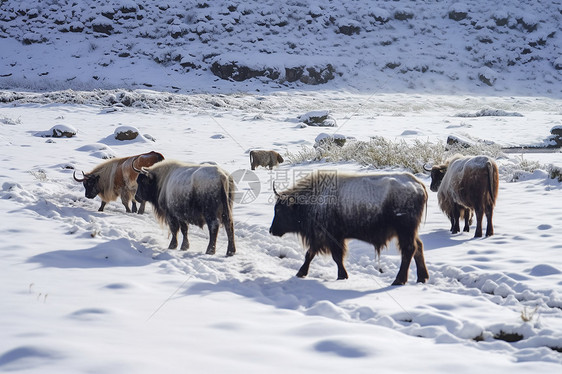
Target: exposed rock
x=453, y=140
x=487, y=76
x=126, y=133
x=556, y=130
x=318, y=75
x=102, y=26
x=528, y=24
x=555, y=140
x=325, y=139
x=457, y=16
x=59, y=131
x=233, y=70
x=349, y=29
x=239, y=72
x=558, y=63
x=403, y=15
x=318, y=118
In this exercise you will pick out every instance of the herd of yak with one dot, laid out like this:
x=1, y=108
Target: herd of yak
x=325, y=208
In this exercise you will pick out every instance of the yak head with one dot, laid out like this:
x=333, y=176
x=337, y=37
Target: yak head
x=144, y=187
x=90, y=182
x=287, y=217
x=147, y=186
x=437, y=174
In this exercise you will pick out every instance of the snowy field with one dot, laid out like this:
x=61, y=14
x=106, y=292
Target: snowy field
x=98, y=292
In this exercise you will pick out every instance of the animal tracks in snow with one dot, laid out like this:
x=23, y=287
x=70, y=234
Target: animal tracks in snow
x=461, y=304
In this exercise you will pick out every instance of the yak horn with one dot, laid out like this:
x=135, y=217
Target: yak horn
x=425, y=168
x=76, y=179
x=274, y=191
x=133, y=165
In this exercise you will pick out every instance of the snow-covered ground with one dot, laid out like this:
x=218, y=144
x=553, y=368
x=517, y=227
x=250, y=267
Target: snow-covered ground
x=84, y=291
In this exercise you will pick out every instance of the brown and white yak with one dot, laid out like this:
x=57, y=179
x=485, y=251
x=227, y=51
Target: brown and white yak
x=465, y=184
x=117, y=178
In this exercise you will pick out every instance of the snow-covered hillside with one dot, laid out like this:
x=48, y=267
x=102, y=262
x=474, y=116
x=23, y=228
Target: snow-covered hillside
x=226, y=46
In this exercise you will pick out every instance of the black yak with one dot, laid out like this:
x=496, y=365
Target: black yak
x=328, y=207
x=184, y=194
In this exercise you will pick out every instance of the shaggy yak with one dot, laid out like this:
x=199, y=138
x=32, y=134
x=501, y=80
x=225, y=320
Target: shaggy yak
x=183, y=194
x=466, y=184
x=116, y=177
x=326, y=208
x=265, y=159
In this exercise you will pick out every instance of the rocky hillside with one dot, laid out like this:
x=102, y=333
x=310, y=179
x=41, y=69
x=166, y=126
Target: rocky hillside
x=384, y=46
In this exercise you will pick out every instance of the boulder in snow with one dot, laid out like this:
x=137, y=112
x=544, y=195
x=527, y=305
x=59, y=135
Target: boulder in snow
x=318, y=118
x=126, y=133
x=59, y=131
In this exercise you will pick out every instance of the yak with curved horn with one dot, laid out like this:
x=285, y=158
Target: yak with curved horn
x=117, y=178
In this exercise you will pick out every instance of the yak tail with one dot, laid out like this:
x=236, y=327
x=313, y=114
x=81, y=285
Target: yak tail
x=227, y=199
x=251, y=158
x=492, y=180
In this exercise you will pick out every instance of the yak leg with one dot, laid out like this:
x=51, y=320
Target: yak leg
x=456, y=219
x=479, y=216
x=213, y=225
x=423, y=275
x=102, y=206
x=338, y=251
x=229, y=228
x=303, y=271
x=141, y=207
x=174, y=227
x=407, y=250
x=467, y=213
x=489, y=227
x=125, y=198
x=185, y=242
x=134, y=206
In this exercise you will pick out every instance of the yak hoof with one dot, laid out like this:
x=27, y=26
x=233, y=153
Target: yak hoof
x=210, y=251
x=301, y=274
x=230, y=253
x=398, y=282
x=342, y=276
